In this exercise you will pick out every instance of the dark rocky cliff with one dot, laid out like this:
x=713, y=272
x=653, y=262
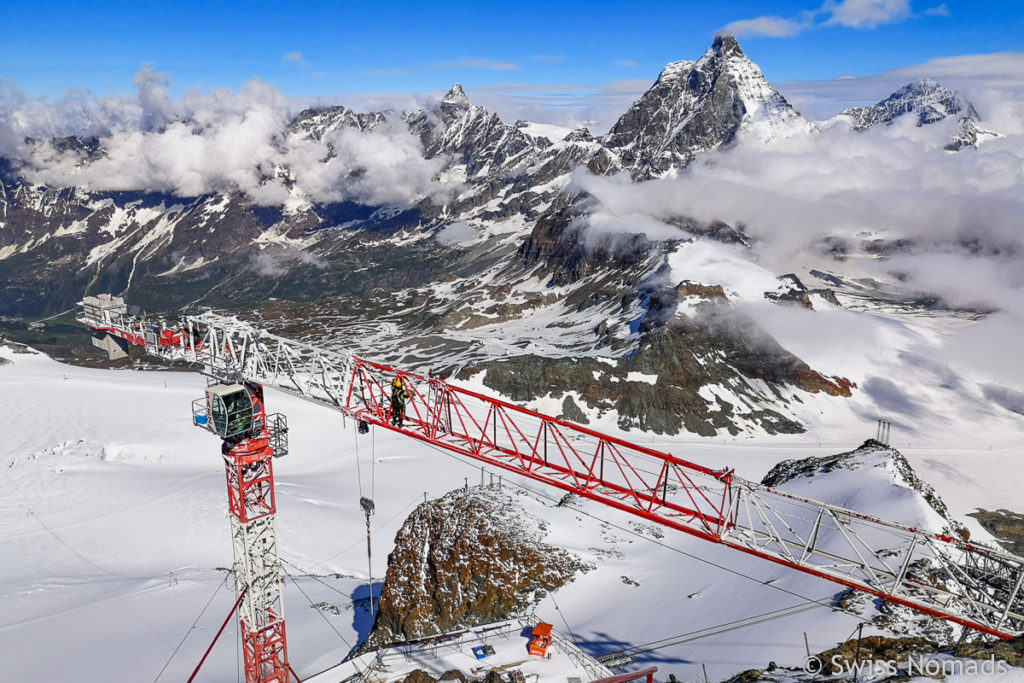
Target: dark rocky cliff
x=468, y=558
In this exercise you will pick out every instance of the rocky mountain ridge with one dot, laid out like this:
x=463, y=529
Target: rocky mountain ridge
x=929, y=102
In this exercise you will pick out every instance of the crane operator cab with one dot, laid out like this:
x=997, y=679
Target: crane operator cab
x=228, y=411
x=236, y=412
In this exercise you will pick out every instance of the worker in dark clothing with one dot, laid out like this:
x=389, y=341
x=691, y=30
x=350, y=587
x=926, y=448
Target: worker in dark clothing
x=398, y=398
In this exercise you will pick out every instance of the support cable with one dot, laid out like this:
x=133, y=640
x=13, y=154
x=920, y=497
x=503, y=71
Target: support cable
x=327, y=585
x=375, y=530
x=222, y=627
x=359, y=472
x=735, y=624
x=685, y=638
x=80, y=555
x=564, y=620
x=190, y=629
x=313, y=605
x=821, y=603
x=238, y=648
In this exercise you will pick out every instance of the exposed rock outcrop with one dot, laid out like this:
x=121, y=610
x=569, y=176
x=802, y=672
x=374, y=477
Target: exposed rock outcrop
x=1006, y=526
x=870, y=454
x=470, y=557
x=874, y=655
x=699, y=375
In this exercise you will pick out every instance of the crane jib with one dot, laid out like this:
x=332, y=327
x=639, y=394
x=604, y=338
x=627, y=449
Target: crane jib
x=969, y=584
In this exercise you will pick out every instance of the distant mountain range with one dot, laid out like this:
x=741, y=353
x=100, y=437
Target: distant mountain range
x=454, y=269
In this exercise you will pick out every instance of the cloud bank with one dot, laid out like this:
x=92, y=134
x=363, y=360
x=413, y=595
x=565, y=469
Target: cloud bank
x=953, y=223
x=856, y=14
x=222, y=141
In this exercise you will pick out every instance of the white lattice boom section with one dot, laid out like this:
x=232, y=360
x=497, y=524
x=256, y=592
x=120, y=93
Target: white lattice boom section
x=972, y=585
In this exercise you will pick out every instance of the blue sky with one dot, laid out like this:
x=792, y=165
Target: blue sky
x=333, y=49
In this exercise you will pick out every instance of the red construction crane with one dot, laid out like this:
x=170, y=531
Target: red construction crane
x=946, y=577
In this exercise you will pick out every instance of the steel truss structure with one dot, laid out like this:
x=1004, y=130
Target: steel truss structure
x=940, y=575
x=252, y=508
x=258, y=572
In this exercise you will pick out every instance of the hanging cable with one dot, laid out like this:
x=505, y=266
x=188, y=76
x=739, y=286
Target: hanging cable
x=822, y=603
x=216, y=637
x=359, y=473
x=564, y=620
x=313, y=605
x=238, y=649
x=296, y=584
x=190, y=629
x=711, y=631
x=375, y=530
x=78, y=554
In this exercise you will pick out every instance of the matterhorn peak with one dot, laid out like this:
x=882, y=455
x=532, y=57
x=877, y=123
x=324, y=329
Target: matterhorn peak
x=456, y=97
x=726, y=45
x=697, y=106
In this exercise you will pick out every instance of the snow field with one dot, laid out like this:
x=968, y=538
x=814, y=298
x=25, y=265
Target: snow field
x=114, y=536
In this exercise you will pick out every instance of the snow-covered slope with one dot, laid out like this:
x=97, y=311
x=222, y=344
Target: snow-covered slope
x=114, y=527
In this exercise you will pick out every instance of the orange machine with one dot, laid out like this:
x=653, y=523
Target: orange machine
x=541, y=640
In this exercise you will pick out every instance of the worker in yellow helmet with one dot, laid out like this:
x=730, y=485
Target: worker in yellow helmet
x=398, y=398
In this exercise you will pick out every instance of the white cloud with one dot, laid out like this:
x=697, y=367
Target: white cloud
x=959, y=212
x=474, y=63
x=858, y=14
x=157, y=106
x=603, y=229
x=382, y=166
x=455, y=233
x=228, y=142
x=277, y=263
x=937, y=11
x=221, y=141
x=771, y=26
x=625, y=62
x=994, y=83
x=267, y=265
x=296, y=58
x=865, y=14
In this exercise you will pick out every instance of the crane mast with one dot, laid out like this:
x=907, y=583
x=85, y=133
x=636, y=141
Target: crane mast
x=946, y=577
x=251, y=440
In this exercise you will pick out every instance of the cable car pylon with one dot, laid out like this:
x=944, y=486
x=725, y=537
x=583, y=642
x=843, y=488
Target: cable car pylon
x=969, y=584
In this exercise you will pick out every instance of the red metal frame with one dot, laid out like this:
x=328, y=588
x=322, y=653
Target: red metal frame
x=249, y=472
x=587, y=463
x=647, y=673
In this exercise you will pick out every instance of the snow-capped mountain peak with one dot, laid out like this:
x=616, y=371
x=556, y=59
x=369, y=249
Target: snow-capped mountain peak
x=929, y=102
x=675, y=71
x=697, y=106
x=927, y=99
x=726, y=44
x=456, y=97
